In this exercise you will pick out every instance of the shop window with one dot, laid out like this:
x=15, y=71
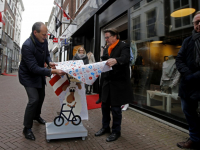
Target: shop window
x=136, y=29
x=151, y=23
x=154, y=47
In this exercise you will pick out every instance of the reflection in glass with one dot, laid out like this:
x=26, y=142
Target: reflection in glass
x=155, y=38
x=151, y=19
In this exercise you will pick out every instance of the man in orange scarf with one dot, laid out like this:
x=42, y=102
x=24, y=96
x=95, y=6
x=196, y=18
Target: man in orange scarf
x=116, y=86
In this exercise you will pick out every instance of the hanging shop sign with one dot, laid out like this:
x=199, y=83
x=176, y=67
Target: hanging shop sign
x=55, y=40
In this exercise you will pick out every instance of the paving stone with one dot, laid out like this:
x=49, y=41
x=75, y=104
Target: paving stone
x=139, y=132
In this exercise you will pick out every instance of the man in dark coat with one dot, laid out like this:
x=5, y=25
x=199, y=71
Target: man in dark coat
x=116, y=86
x=188, y=64
x=32, y=75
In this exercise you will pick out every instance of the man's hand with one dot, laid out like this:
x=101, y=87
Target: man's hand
x=58, y=72
x=111, y=62
x=53, y=65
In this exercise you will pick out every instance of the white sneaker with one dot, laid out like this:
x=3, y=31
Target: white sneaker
x=124, y=107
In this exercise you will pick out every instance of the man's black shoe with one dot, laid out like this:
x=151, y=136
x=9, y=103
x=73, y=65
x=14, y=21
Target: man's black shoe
x=28, y=134
x=98, y=101
x=40, y=120
x=189, y=144
x=113, y=137
x=102, y=131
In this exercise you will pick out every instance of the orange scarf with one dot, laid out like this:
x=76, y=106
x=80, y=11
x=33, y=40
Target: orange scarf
x=110, y=48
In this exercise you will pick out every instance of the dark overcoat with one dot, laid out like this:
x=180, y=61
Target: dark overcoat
x=116, y=83
x=186, y=66
x=31, y=70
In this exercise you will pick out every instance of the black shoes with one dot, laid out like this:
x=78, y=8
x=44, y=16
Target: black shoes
x=28, y=134
x=40, y=120
x=102, y=131
x=113, y=137
x=189, y=144
x=98, y=101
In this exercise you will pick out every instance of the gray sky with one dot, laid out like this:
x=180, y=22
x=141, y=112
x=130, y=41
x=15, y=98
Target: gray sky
x=35, y=10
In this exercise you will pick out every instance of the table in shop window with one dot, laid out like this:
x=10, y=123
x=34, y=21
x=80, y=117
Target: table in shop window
x=164, y=95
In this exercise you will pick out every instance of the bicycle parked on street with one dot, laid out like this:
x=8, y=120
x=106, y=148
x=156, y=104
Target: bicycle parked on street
x=59, y=120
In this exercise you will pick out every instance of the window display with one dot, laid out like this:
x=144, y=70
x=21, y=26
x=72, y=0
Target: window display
x=156, y=38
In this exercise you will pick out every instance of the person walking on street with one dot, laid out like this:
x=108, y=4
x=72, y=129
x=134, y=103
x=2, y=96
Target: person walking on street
x=188, y=64
x=32, y=75
x=116, y=86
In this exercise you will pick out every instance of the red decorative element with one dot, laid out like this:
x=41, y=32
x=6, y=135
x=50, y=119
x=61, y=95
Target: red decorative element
x=91, y=99
x=90, y=78
x=97, y=76
x=74, y=74
x=54, y=80
x=1, y=19
x=55, y=40
x=59, y=90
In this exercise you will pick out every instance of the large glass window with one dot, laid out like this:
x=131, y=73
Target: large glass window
x=156, y=38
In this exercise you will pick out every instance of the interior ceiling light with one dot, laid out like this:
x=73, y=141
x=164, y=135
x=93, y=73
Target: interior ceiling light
x=178, y=46
x=183, y=12
x=157, y=42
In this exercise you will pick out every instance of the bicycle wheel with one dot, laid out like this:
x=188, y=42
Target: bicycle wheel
x=76, y=120
x=58, y=121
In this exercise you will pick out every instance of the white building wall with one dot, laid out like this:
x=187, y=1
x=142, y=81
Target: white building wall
x=18, y=22
x=2, y=7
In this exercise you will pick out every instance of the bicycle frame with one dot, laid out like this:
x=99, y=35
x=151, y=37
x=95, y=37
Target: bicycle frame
x=71, y=112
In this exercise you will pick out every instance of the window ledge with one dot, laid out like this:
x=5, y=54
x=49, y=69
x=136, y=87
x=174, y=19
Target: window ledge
x=179, y=28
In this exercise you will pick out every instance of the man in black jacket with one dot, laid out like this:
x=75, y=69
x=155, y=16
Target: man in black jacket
x=116, y=85
x=32, y=75
x=188, y=64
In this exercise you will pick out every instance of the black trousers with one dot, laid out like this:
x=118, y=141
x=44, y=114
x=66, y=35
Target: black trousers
x=34, y=106
x=116, y=115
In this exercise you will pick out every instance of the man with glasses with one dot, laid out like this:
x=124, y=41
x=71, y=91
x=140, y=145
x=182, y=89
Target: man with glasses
x=116, y=85
x=188, y=64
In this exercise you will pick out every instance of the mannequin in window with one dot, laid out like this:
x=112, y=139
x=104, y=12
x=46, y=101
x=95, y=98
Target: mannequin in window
x=170, y=76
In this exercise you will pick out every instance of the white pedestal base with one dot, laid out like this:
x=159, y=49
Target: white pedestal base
x=65, y=131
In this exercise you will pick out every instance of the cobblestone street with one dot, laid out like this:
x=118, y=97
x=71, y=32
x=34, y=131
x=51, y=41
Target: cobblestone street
x=138, y=131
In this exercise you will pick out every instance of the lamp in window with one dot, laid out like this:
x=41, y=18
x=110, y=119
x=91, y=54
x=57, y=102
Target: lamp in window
x=183, y=12
x=157, y=42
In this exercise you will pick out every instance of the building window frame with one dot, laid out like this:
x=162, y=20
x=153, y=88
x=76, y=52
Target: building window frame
x=148, y=25
x=137, y=28
x=79, y=3
x=173, y=20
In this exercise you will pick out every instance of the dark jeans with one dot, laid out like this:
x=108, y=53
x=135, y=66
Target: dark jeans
x=34, y=106
x=116, y=114
x=189, y=108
